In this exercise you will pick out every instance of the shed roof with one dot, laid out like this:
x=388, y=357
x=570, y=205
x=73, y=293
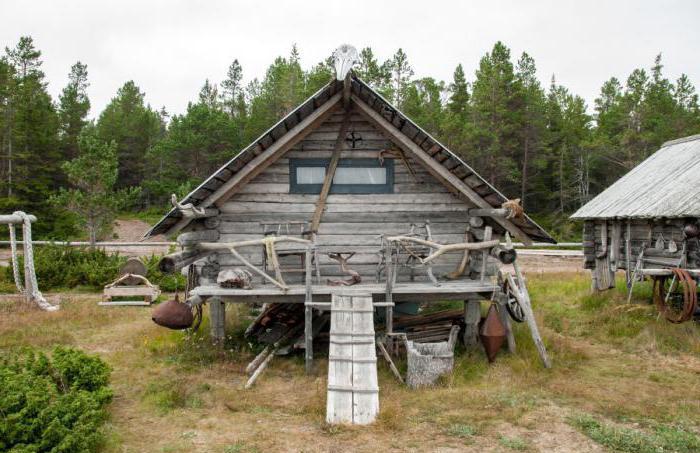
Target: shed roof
x=666, y=184
x=375, y=101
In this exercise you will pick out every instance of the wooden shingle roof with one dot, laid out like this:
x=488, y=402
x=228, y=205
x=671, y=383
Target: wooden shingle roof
x=665, y=185
x=381, y=106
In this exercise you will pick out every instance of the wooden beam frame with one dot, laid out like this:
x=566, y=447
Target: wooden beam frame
x=330, y=172
x=267, y=157
x=437, y=170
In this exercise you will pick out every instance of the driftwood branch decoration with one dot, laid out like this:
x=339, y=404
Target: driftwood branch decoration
x=269, y=243
x=189, y=211
x=441, y=249
x=465, y=259
x=516, y=210
x=355, y=277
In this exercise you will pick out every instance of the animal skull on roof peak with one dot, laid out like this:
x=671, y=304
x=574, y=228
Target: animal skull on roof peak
x=344, y=58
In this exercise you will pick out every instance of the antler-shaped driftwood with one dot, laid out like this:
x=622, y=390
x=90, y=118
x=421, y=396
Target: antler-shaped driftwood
x=269, y=243
x=188, y=210
x=441, y=249
x=355, y=277
x=455, y=274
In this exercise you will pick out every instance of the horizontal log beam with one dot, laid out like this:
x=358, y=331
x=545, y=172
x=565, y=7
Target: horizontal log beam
x=176, y=261
x=12, y=218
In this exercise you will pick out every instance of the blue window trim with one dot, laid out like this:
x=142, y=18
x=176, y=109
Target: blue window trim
x=295, y=187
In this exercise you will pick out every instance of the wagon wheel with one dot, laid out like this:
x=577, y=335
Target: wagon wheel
x=515, y=310
x=675, y=296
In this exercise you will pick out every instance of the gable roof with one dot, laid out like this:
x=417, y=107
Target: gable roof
x=666, y=184
x=360, y=90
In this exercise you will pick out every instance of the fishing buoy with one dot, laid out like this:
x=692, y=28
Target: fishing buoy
x=493, y=333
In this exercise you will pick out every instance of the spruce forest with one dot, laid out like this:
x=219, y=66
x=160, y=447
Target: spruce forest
x=535, y=141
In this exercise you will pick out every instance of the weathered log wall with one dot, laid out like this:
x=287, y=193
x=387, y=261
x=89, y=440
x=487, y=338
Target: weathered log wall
x=351, y=222
x=624, y=240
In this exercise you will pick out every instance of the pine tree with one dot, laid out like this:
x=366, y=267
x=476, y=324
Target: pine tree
x=134, y=127
x=372, y=73
x=31, y=150
x=401, y=73
x=458, y=103
x=93, y=175
x=495, y=102
x=423, y=104
x=209, y=95
x=532, y=124
x=232, y=96
x=457, y=125
x=74, y=106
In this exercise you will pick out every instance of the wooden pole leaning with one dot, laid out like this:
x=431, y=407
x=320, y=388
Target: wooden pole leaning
x=308, y=311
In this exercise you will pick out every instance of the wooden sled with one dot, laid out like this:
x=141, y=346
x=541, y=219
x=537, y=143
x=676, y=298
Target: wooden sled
x=132, y=283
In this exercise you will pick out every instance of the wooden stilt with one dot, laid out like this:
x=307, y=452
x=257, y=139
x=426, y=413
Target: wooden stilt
x=217, y=319
x=308, y=313
x=472, y=316
x=389, y=297
x=505, y=319
x=524, y=299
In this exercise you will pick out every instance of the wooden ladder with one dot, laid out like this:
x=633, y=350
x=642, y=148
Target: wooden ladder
x=353, y=390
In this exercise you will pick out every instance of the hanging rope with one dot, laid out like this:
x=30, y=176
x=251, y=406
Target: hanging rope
x=32, y=286
x=269, y=243
x=15, y=259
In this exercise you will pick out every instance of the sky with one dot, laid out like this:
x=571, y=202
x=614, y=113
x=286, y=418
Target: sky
x=170, y=47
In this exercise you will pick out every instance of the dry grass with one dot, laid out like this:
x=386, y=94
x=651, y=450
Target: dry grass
x=619, y=373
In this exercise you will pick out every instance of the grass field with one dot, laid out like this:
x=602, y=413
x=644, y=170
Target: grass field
x=622, y=380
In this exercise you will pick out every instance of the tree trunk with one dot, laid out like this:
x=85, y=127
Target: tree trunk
x=523, y=182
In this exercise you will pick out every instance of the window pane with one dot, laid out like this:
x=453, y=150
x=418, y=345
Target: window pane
x=310, y=175
x=359, y=175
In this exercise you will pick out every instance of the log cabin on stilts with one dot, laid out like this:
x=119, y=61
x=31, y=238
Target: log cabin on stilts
x=648, y=224
x=347, y=195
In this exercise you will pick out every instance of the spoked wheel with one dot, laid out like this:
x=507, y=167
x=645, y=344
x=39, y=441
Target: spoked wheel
x=676, y=296
x=515, y=310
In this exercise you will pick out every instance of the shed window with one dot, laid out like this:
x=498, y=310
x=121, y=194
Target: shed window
x=352, y=176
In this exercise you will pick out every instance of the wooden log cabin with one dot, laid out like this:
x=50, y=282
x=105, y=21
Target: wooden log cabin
x=345, y=170
x=647, y=223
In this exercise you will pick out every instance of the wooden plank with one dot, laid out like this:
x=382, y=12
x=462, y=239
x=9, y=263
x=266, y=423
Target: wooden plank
x=126, y=291
x=330, y=171
x=435, y=217
x=272, y=188
x=364, y=365
x=356, y=199
x=339, y=404
x=282, y=208
x=217, y=320
x=413, y=289
x=371, y=227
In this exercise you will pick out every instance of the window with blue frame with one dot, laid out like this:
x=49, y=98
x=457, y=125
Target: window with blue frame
x=359, y=176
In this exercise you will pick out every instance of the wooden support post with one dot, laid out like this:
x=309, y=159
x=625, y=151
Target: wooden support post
x=505, y=319
x=488, y=231
x=524, y=299
x=308, y=314
x=330, y=172
x=217, y=320
x=472, y=317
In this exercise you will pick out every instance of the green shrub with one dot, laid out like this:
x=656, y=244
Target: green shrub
x=53, y=405
x=167, y=282
x=68, y=267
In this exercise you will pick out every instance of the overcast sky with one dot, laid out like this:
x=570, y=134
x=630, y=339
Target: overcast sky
x=170, y=47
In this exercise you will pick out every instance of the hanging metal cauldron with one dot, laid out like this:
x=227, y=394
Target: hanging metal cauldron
x=493, y=333
x=173, y=314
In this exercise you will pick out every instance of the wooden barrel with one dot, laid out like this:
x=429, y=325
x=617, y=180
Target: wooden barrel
x=353, y=391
